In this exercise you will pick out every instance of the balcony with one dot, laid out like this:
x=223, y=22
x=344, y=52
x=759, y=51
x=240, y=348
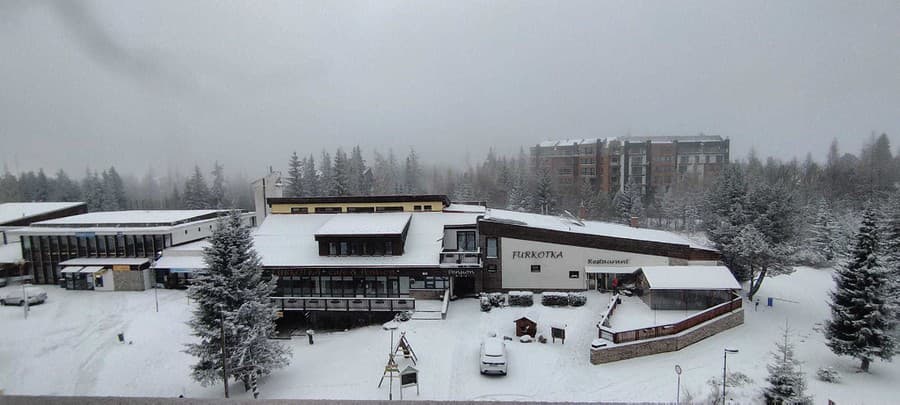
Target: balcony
x=452, y=259
x=348, y=304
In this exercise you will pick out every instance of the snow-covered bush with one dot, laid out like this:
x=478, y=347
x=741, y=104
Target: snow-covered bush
x=521, y=298
x=526, y=339
x=485, y=303
x=828, y=374
x=403, y=316
x=577, y=299
x=559, y=299
x=541, y=339
x=497, y=299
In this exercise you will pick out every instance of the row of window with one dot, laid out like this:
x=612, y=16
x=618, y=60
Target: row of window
x=338, y=210
x=696, y=159
x=357, y=247
x=353, y=286
x=536, y=268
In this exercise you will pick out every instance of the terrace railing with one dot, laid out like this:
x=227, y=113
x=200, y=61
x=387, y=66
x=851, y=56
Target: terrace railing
x=358, y=304
x=669, y=329
x=459, y=258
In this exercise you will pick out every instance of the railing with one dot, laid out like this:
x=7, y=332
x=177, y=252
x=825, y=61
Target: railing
x=605, y=331
x=669, y=329
x=455, y=258
x=445, y=305
x=358, y=304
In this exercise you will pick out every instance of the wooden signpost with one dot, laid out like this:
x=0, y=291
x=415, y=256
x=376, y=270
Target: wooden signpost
x=558, y=331
x=409, y=377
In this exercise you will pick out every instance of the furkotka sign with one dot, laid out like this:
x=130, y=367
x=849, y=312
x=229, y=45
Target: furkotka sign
x=537, y=254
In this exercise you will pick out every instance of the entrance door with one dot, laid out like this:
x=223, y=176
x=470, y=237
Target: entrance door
x=463, y=286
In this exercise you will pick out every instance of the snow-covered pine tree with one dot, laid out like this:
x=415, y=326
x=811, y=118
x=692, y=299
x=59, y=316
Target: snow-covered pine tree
x=196, y=192
x=217, y=191
x=232, y=299
x=464, y=190
x=628, y=203
x=92, y=190
x=294, y=178
x=113, y=198
x=544, y=197
x=824, y=233
x=311, y=182
x=862, y=314
x=891, y=247
x=412, y=174
x=786, y=382
x=341, y=174
x=326, y=176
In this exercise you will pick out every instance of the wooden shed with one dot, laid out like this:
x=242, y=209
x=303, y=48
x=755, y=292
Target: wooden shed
x=525, y=326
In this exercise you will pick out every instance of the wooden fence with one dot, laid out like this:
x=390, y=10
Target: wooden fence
x=669, y=329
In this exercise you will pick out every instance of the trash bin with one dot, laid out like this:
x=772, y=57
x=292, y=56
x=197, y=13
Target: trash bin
x=121, y=337
x=770, y=301
x=310, y=333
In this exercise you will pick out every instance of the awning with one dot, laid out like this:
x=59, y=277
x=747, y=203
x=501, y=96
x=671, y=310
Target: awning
x=71, y=270
x=181, y=270
x=610, y=270
x=92, y=269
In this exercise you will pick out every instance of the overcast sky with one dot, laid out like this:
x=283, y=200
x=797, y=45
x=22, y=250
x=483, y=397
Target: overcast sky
x=171, y=83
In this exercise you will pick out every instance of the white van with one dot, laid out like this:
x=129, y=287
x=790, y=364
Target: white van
x=16, y=296
x=493, y=356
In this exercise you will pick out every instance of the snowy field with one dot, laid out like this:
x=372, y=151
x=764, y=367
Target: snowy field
x=68, y=346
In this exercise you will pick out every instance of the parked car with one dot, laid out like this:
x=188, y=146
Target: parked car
x=493, y=356
x=16, y=296
x=2, y=282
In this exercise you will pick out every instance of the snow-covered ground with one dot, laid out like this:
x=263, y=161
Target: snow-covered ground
x=68, y=346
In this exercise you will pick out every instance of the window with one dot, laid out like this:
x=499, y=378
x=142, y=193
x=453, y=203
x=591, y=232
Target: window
x=299, y=210
x=360, y=209
x=388, y=209
x=388, y=248
x=492, y=247
x=327, y=210
x=718, y=158
x=707, y=158
x=563, y=171
x=332, y=248
x=587, y=161
x=535, y=268
x=588, y=171
x=417, y=208
x=492, y=268
x=465, y=241
x=427, y=207
x=345, y=249
x=574, y=274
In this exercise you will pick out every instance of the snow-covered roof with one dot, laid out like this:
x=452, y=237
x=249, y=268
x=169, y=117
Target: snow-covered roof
x=454, y=207
x=288, y=241
x=105, y=261
x=567, y=142
x=365, y=224
x=558, y=223
x=15, y=211
x=131, y=217
x=181, y=262
x=10, y=253
x=690, y=278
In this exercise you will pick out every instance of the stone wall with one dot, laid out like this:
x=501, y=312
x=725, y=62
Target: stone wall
x=135, y=280
x=426, y=294
x=667, y=343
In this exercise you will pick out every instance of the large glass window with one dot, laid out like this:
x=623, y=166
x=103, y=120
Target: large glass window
x=101, y=246
x=465, y=241
x=491, y=247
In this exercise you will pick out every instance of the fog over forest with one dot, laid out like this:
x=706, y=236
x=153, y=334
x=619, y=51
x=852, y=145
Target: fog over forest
x=168, y=84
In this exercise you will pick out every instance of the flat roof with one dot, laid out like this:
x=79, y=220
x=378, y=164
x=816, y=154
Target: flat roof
x=288, y=241
x=180, y=262
x=390, y=198
x=15, y=211
x=105, y=261
x=365, y=224
x=142, y=218
x=560, y=223
x=690, y=278
x=567, y=142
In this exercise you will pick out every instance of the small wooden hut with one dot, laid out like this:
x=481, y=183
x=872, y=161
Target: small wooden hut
x=525, y=326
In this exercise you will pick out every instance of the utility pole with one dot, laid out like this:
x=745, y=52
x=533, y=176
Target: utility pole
x=224, y=353
x=724, y=368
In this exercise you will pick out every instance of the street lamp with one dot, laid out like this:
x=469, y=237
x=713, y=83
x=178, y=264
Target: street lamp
x=724, y=368
x=678, y=391
x=391, y=326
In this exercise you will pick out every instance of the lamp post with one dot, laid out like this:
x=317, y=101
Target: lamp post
x=391, y=326
x=724, y=368
x=678, y=390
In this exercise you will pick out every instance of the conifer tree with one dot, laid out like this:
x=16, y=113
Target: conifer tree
x=196, y=192
x=341, y=174
x=217, y=192
x=862, y=314
x=232, y=300
x=92, y=191
x=413, y=174
x=544, y=200
x=64, y=188
x=9, y=187
x=326, y=175
x=113, y=191
x=294, y=178
x=311, y=183
x=786, y=382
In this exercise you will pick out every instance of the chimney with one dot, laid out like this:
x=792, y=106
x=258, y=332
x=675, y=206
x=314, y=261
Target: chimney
x=634, y=222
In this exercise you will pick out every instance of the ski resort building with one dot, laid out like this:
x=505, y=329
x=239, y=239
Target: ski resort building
x=385, y=253
x=17, y=215
x=111, y=249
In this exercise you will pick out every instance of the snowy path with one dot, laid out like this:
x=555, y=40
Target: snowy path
x=68, y=346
